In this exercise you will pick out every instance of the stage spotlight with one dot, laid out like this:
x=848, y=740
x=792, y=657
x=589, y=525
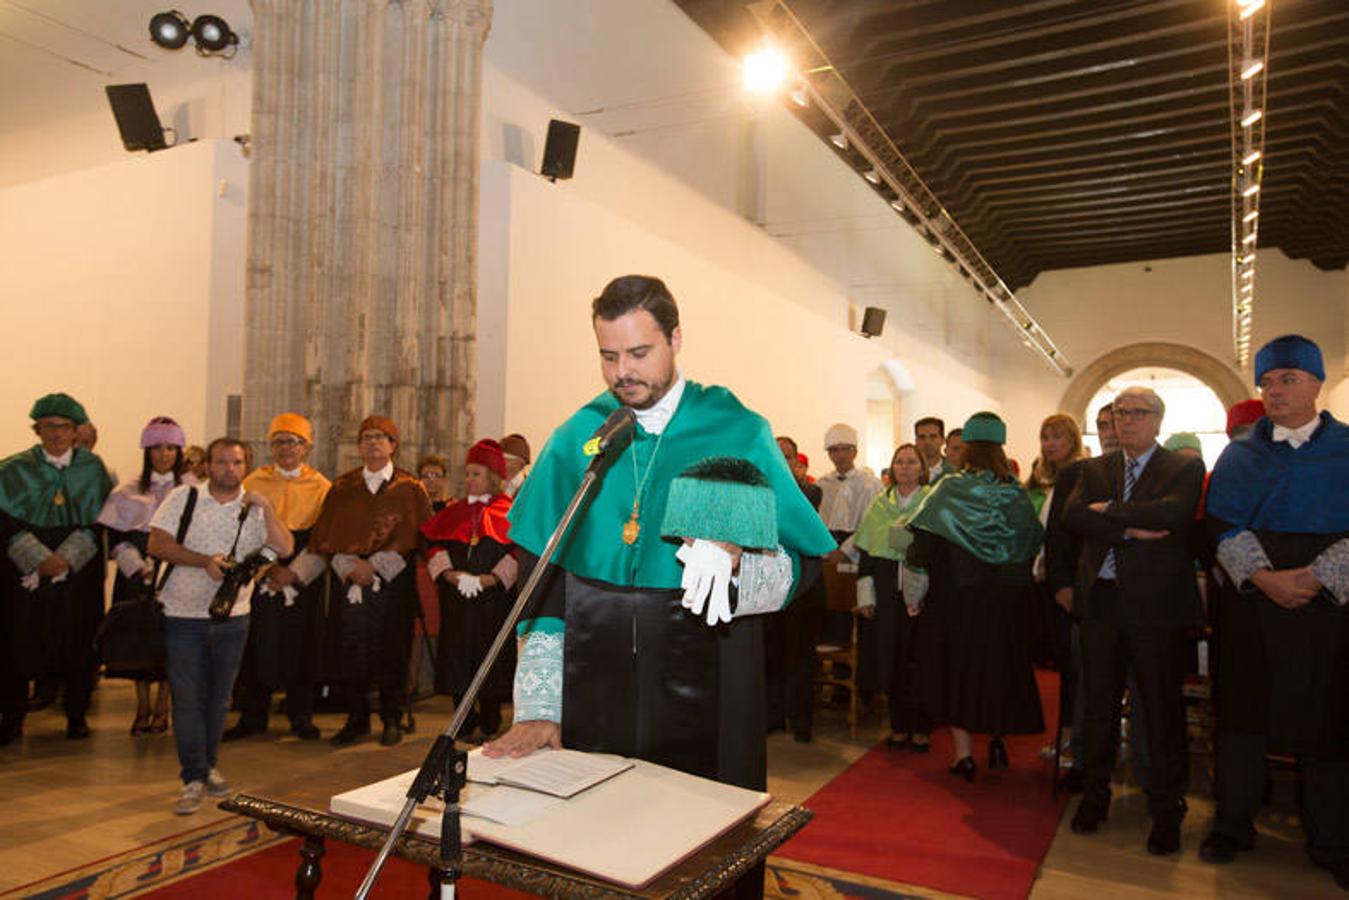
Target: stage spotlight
x=169, y=29
x=212, y=34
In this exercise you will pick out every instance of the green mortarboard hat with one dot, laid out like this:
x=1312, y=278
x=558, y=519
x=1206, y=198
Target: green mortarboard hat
x=1184, y=440
x=984, y=426
x=63, y=405
x=722, y=498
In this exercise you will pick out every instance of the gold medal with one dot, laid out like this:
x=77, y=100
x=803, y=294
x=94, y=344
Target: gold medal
x=59, y=499
x=631, y=529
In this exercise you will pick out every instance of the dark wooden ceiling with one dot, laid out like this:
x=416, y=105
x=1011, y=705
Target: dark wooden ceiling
x=1063, y=133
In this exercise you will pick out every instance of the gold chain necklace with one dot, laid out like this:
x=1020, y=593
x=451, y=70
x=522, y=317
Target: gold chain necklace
x=632, y=528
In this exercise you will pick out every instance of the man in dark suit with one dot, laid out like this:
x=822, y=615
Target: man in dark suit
x=1135, y=596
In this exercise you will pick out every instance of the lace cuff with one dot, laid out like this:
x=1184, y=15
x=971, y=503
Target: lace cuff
x=307, y=566
x=765, y=582
x=79, y=548
x=915, y=585
x=343, y=563
x=438, y=565
x=1241, y=556
x=27, y=552
x=1331, y=568
x=129, y=560
x=866, y=591
x=507, y=570
x=388, y=564
x=538, y=678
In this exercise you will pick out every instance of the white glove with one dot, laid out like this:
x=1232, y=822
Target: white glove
x=707, y=580
x=469, y=585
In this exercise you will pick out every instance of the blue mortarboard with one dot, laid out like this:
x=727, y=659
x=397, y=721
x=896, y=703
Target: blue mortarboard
x=1292, y=351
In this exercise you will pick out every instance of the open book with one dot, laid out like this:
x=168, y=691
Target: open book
x=561, y=773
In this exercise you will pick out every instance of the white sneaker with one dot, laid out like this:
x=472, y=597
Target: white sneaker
x=189, y=798
x=216, y=785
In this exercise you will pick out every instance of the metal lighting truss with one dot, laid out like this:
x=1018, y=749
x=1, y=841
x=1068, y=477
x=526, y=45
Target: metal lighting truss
x=1248, y=77
x=855, y=130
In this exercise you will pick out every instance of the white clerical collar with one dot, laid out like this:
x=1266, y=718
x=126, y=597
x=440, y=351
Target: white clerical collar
x=479, y=498
x=288, y=474
x=844, y=476
x=654, y=418
x=161, y=478
x=1296, y=437
x=60, y=461
x=373, y=480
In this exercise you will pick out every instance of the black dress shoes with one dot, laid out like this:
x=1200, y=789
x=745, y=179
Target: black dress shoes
x=1220, y=848
x=239, y=731
x=963, y=767
x=1088, y=818
x=305, y=729
x=1164, y=838
x=392, y=733
x=77, y=729
x=354, y=727
x=997, y=754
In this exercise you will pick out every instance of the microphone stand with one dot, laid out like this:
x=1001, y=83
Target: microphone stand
x=445, y=769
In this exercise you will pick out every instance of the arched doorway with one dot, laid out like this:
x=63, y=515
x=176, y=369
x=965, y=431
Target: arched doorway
x=1191, y=405
x=1225, y=383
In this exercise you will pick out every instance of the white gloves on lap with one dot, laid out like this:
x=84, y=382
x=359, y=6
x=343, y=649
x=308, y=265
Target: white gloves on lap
x=707, y=580
x=469, y=585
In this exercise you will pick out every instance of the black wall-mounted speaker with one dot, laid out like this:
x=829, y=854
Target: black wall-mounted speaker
x=559, y=152
x=136, y=117
x=873, y=321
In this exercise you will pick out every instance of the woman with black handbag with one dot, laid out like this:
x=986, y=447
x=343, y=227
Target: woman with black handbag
x=127, y=514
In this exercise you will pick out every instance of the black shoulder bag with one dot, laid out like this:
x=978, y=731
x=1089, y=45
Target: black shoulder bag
x=131, y=635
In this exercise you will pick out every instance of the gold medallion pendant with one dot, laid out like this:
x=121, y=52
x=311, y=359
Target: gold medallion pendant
x=631, y=529
x=59, y=499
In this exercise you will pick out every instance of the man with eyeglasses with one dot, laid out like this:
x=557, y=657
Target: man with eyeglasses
x=1135, y=595
x=283, y=629
x=51, y=582
x=370, y=528
x=1278, y=507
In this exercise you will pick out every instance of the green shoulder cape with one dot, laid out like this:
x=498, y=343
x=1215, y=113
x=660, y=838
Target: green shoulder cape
x=29, y=486
x=709, y=421
x=873, y=534
x=994, y=520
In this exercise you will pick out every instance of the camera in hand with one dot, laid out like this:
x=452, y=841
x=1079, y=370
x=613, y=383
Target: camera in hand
x=238, y=574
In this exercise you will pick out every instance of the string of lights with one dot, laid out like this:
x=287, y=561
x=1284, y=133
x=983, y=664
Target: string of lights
x=859, y=139
x=1248, y=67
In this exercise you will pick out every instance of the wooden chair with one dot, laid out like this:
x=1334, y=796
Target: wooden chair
x=838, y=662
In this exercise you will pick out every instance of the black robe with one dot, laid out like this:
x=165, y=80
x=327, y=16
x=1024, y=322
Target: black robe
x=468, y=625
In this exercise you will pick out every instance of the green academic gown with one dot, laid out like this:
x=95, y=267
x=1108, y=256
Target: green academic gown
x=642, y=676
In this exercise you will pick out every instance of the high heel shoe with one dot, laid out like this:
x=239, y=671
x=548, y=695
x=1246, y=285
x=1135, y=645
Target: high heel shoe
x=997, y=754
x=159, y=723
x=141, y=725
x=964, y=767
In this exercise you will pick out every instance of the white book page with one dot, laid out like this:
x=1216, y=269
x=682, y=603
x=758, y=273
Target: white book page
x=561, y=773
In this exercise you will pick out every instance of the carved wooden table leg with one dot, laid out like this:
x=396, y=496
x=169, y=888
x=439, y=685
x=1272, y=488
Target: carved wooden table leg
x=433, y=876
x=309, y=874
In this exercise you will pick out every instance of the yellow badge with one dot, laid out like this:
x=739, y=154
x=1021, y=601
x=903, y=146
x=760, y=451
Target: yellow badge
x=591, y=447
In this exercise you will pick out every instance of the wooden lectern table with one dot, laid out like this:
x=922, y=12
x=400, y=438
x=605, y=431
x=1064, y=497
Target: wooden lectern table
x=301, y=808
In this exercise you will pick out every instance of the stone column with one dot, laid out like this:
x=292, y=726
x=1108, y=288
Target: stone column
x=362, y=221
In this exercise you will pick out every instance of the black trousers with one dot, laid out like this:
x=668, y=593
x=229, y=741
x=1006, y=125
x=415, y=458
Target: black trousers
x=1325, y=796
x=376, y=644
x=281, y=653
x=1156, y=653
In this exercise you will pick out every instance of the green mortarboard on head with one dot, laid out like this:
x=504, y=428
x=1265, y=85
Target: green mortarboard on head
x=722, y=498
x=984, y=426
x=63, y=405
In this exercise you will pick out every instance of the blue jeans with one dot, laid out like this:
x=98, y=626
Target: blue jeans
x=203, y=660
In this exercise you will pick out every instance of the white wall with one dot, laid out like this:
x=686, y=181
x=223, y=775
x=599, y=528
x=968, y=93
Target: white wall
x=123, y=286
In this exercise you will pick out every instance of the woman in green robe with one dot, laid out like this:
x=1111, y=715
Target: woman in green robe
x=882, y=538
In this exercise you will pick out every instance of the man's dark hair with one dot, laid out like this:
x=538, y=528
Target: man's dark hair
x=1105, y=408
x=930, y=420
x=955, y=432
x=633, y=292
x=226, y=442
x=783, y=438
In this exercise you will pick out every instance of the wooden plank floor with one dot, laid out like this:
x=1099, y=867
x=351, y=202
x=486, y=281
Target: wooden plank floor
x=67, y=803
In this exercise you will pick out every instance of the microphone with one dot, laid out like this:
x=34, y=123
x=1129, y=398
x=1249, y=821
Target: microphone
x=619, y=423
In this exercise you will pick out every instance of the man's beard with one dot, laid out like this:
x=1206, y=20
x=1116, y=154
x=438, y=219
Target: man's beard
x=654, y=391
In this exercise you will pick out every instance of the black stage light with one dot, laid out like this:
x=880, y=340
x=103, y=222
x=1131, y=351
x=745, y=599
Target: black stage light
x=212, y=34
x=169, y=29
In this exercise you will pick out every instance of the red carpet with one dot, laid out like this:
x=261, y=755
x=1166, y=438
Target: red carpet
x=270, y=873
x=899, y=815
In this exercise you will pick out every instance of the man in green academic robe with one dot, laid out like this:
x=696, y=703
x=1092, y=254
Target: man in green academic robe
x=51, y=581
x=612, y=659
